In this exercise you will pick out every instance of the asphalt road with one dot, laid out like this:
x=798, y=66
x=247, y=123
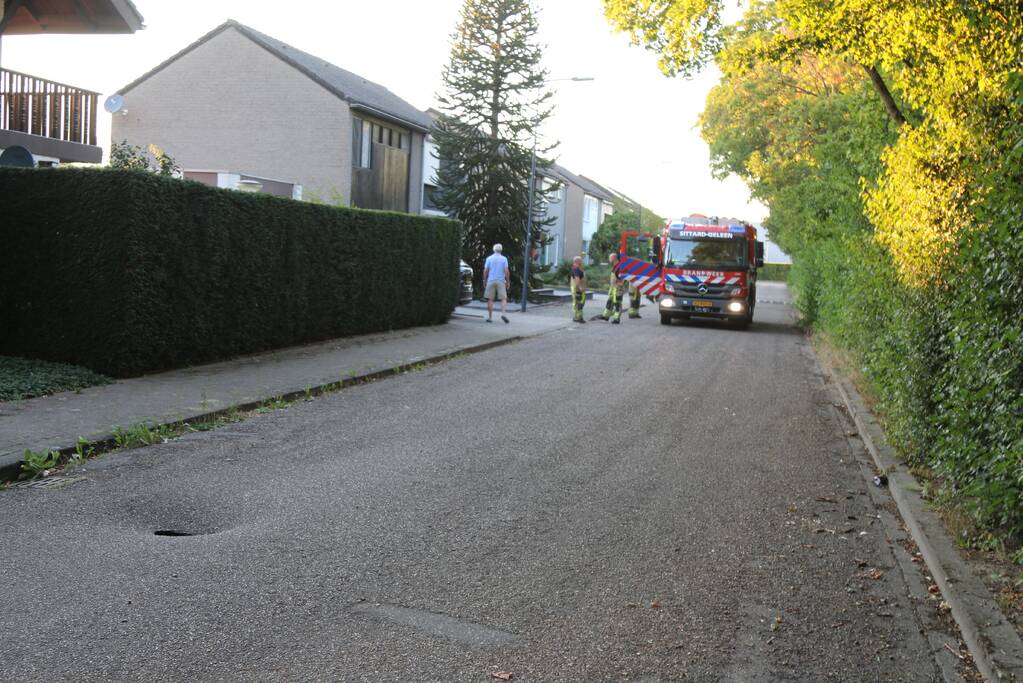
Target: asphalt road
x=633, y=502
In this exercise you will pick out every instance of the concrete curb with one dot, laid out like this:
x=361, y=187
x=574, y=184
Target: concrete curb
x=11, y=471
x=996, y=647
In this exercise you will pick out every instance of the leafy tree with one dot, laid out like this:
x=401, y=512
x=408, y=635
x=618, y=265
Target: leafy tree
x=134, y=158
x=493, y=103
x=887, y=140
x=608, y=236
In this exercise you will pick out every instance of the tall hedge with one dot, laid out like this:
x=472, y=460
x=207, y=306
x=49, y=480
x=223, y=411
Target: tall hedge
x=127, y=272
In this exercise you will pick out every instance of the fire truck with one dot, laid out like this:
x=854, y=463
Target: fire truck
x=696, y=270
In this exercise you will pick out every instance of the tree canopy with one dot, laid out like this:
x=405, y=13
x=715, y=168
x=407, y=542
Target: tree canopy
x=886, y=138
x=492, y=104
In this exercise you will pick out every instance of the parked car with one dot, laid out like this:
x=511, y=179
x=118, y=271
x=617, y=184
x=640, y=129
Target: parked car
x=464, y=283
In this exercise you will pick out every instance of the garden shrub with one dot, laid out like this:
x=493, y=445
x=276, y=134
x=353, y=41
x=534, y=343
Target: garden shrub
x=127, y=272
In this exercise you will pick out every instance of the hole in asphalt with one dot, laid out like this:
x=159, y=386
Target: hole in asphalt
x=172, y=532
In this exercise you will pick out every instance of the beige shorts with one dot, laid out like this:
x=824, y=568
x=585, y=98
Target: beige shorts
x=495, y=291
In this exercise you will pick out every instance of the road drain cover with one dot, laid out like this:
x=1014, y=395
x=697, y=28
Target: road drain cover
x=172, y=532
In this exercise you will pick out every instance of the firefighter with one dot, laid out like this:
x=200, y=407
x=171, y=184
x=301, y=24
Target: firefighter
x=634, y=299
x=577, y=283
x=613, y=307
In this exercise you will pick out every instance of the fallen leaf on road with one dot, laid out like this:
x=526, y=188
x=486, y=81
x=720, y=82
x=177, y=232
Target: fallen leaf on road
x=875, y=574
x=825, y=499
x=933, y=588
x=655, y=605
x=502, y=675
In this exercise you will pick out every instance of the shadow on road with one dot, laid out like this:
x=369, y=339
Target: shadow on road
x=758, y=327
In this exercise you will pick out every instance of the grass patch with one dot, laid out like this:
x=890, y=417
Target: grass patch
x=22, y=378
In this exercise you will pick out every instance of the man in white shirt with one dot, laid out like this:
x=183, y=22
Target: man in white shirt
x=496, y=277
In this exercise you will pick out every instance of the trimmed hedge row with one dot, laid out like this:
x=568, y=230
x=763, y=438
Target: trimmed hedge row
x=127, y=272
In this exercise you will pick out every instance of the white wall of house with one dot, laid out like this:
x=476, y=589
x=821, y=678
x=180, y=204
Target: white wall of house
x=429, y=175
x=231, y=104
x=772, y=252
x=591, y=219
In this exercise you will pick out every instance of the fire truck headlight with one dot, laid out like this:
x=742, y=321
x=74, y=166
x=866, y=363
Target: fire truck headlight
x=735, y=307
x=667, y=302
x=736, y=291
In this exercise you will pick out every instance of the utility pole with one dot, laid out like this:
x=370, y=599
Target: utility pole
x=529, y=226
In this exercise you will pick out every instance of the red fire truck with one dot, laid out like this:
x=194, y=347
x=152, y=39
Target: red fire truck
x=698, y=270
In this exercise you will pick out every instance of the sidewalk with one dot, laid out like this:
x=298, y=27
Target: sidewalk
x=56, y=422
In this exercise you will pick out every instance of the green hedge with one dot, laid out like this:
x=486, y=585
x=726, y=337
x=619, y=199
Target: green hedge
x=127, y=272
x=945, y=363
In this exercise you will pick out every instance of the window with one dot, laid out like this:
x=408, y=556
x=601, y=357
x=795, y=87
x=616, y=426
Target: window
x=711, y=253
x=365, y=134
x=362, y=143
x=430, y=198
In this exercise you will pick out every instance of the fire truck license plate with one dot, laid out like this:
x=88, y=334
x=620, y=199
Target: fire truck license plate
x=703, y=304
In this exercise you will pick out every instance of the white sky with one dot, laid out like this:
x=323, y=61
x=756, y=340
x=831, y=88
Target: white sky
x=631, y=129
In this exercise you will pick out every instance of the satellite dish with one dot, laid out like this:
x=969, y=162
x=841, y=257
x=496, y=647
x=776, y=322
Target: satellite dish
x=17, y=156
x=114, y=103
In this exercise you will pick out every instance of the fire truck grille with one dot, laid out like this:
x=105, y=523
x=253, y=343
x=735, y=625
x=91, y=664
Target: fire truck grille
x=711, y=290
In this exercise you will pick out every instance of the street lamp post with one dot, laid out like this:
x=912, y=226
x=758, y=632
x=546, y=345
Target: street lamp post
x=532, y=191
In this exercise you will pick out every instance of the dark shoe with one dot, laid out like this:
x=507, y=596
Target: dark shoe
x=505, y=319
x=489, y=320
x=635, y=317
x=579, y=320
x=616, y=321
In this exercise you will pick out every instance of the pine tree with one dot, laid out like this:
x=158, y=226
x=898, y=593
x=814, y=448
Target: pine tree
x=493, y=101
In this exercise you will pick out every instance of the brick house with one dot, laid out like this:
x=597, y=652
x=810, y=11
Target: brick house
x=241, y=100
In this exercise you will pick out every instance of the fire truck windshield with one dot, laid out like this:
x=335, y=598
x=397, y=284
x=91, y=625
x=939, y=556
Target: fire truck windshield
x=705, y=253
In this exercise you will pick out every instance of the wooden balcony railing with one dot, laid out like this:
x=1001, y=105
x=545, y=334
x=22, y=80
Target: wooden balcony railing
x=40, y=107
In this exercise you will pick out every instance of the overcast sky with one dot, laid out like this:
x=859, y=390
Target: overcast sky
x=631, y=129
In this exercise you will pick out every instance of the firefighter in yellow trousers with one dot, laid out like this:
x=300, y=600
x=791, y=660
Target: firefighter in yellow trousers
x=634, y=299
x=577, y=283
x=615, y=290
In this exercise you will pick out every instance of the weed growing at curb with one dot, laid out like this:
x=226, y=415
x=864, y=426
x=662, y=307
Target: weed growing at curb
x=38, y=463
x=141, y=435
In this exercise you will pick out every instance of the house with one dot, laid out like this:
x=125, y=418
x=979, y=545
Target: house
x=241, y=100
x=55, y=122
x=577, y=210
